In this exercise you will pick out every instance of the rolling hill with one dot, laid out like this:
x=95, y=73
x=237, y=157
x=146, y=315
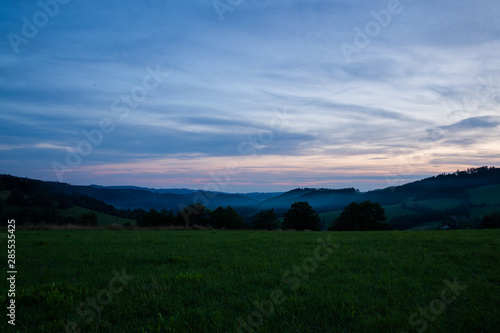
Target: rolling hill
x=469, y=194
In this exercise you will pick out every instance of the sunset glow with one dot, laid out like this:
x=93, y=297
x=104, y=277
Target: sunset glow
x=267, y=97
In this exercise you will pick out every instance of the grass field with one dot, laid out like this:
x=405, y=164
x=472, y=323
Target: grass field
x=224, y=281
x=439, y=203
x=104, y=219
x=486, y=194
x=432, y=225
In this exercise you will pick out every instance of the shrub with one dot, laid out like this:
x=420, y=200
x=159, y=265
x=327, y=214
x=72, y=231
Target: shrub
x=196, y=214
x=41, y=200
x=64, y=203
x=366, y=215
x=301, y=216
x=265, y=219
x=226, y=218
x=88, y=219
x=16, y=198
x=491, y=221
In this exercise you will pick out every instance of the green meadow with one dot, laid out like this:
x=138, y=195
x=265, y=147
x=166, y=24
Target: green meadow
x=255, y=281
x=104, y=219
x=484, y=200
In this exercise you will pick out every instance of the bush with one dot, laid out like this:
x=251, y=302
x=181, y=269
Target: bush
x=16, y=198
x=154, y=218
x=68, y=220
x=88, y=219
x=41, y=200
x=33, y=215
x=196, y=214
x=225, y=218
x=64, y=203
x=491, y=221
x=266, y=220
x=301, y=216
x=366, y=215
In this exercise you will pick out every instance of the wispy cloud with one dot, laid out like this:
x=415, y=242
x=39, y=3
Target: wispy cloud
x=428, y=85
x=474, y=123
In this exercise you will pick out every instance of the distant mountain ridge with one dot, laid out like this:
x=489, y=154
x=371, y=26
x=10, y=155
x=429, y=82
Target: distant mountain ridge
x=135, y=198
x=154, y=190
x=453, y=185
x=259, y=196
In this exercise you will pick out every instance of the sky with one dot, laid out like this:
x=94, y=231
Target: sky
x=248, y=95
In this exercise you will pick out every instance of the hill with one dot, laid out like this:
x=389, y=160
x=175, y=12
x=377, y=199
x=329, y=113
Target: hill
x=320, y=199
x=466, y=195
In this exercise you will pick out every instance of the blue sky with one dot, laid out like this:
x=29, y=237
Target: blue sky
x=242, y=96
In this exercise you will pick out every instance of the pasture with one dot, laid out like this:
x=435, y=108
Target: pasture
x=255, y=281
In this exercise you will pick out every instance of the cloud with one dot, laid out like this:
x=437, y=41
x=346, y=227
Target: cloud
x=474, y=123
x=428, y=85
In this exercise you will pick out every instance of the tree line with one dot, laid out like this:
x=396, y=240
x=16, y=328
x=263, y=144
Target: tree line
x=301, y=216
x=31, y=203
x=43, y=208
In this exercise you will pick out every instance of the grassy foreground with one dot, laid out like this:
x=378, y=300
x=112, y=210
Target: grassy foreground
x=224, y=281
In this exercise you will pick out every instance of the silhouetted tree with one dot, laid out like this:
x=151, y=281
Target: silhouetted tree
x=16, y=198
x=64, y=203
x=89, y=219
x=301, y=216
x=167, y=217
x=196, y=214
x=25, y=185
x=151, y=219
x=366, y=215
x=154, y=218
x=67, y=220
x=491, y=221
x=265, y=219
x=226, y=218
x=137, y=213
x=41, y=200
